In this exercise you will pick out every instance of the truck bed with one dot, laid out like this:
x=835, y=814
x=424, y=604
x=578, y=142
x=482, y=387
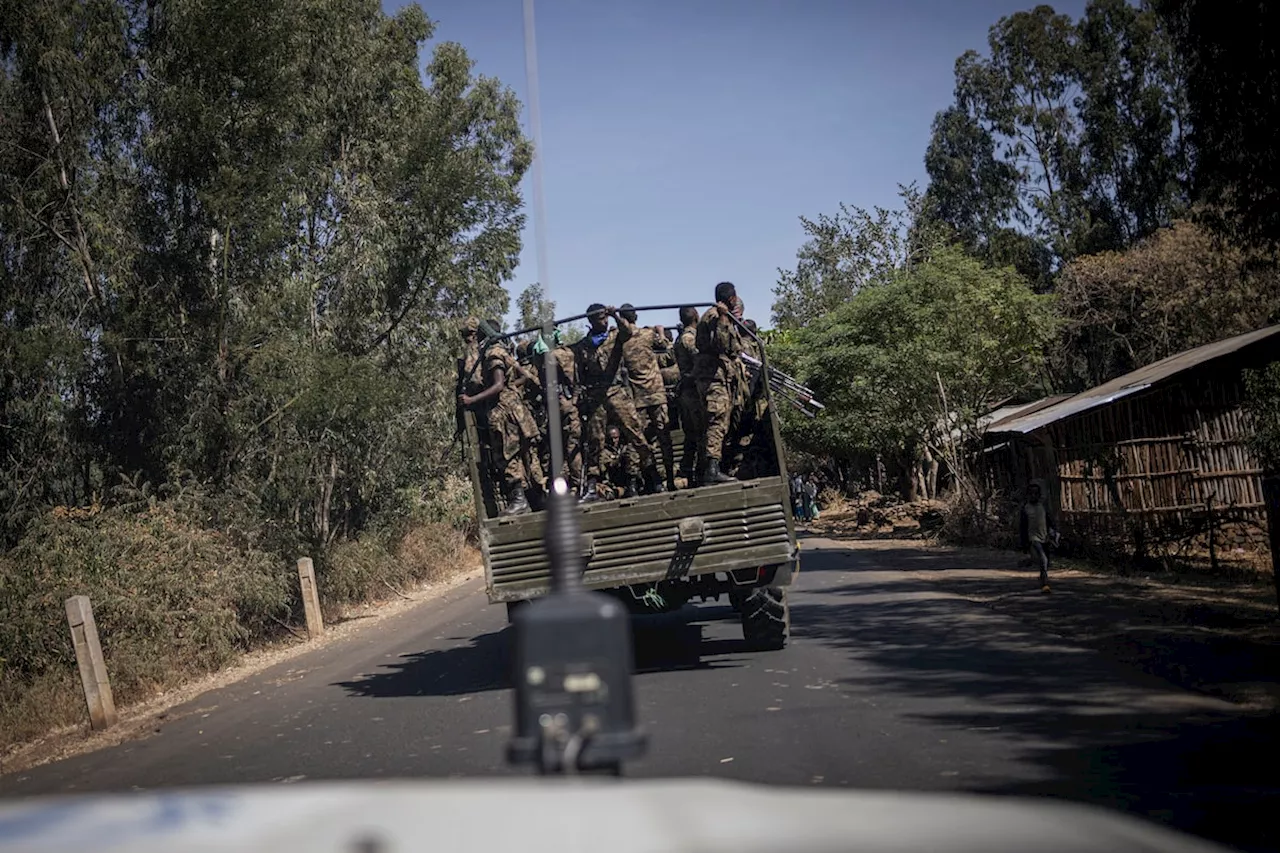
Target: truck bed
x=720, y=528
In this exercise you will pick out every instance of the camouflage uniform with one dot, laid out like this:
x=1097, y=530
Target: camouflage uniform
x=750, y=403
x=648, y=391
x=620, y=464
x=570, y=419
x=605, y=395
x=691, y=418
x=511, y=424
x=717, y=369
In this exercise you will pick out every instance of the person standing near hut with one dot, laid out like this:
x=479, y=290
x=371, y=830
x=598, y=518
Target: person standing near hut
x=1037, y=529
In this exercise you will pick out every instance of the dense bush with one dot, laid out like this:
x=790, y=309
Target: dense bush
x=171, y=598
x=183, y=585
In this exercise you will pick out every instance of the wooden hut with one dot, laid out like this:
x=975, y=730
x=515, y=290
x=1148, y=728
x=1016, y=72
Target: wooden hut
x=1158, y=456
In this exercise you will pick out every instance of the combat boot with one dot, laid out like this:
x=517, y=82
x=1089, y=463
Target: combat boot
x=713, y=474
x=517, y=503
x=591, y=492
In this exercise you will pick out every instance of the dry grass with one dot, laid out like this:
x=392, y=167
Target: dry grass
x=174, y=601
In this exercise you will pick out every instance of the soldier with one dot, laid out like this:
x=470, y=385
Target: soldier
x=604, y=395
x=470, y=380
x=691, y=420
x=570, y=419
x=750, y=406
x=510, y=422
x=618, y=463
x=531, y=386
x=649, y=394
x=716, y=370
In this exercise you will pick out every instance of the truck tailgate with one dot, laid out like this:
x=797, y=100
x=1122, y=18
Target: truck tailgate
x=719, y=528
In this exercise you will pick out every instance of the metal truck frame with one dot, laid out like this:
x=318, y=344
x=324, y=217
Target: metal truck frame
x=656, y=552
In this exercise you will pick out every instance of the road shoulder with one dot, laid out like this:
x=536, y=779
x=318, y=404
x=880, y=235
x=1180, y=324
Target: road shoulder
x=146, y=718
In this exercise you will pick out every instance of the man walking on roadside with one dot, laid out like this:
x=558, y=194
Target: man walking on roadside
x=1037, y=530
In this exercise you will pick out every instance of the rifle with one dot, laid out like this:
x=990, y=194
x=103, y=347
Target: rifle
x=801, y=397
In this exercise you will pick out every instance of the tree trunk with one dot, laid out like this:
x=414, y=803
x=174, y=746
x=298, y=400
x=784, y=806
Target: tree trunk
x=930, y=475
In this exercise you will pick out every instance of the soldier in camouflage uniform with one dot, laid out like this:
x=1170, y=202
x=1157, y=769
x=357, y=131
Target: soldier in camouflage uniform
x=716, y=371
x=691, y=419
x=751, y=405
x=570, y=419
x=604, y=394
x=510, y=422
x=649, y=394
x=619, y=464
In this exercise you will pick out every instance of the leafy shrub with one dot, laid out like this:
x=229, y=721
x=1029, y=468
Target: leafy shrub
x=361, y=570
x=171, y=599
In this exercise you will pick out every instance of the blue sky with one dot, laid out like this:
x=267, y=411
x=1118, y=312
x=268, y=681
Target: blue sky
x=684, y=138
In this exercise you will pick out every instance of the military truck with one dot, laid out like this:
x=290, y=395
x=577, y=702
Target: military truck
x=657, y=552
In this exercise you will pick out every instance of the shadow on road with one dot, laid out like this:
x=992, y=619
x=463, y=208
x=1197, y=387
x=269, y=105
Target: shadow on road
x=482, y=664
x=1100, y=731
x=479, y=664
x=678, y=641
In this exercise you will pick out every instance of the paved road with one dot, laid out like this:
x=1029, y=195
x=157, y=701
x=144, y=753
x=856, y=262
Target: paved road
x=888, y=683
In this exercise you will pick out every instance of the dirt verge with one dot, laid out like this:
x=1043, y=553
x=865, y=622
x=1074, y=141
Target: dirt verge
x=143, y=717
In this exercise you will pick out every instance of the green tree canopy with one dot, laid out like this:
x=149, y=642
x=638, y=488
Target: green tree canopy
x=1066, y=138
x=883, y=361
x=233, y=240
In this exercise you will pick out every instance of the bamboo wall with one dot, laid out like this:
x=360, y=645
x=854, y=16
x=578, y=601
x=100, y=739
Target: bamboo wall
x=1167, y=465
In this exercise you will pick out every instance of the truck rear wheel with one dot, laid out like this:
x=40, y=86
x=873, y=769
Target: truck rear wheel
x=766, y=618
x=512, y=607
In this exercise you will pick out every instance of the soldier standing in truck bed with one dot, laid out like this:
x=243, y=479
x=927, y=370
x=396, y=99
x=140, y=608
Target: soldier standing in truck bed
x=604, y=393
x=751, y=405
x=511, y=425
x=691, y=418
x=649, y=394
x=570, y=419
x=716, y=370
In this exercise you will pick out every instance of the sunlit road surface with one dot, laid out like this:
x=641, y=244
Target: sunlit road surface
x=888, y=683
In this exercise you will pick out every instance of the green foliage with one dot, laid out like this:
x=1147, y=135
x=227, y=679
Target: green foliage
x=240, y=258
x=235, y=239
x=534, y=307
x=844, y=253
x=171, y=596
x=1068, y=138
x=882, y=361
x=1262, y=401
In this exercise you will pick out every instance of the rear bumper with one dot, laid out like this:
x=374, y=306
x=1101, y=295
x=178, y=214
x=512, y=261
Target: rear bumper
x=719, y=528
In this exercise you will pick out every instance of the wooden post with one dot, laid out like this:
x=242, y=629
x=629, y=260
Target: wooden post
x=310, y=597
x=93, y=669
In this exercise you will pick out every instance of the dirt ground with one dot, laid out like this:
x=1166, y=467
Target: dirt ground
x=1215, y=635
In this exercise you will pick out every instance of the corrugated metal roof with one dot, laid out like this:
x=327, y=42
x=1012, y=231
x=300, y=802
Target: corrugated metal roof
x=1008, y=413
x=1132, y=383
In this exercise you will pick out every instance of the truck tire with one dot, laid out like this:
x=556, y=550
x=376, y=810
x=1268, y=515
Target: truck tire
x=766, y=618
x=512, y=607
x=736, y=598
